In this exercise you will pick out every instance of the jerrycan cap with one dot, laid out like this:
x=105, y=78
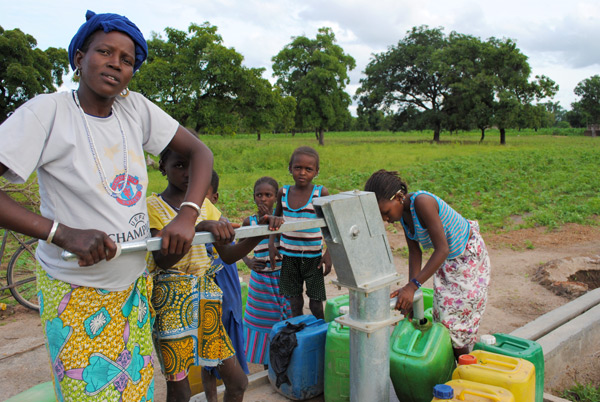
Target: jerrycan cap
x=488, y=339
x=467, y=359
x=443, y=391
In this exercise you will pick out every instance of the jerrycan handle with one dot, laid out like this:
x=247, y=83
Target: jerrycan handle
x=496, y=362
x=461, y=396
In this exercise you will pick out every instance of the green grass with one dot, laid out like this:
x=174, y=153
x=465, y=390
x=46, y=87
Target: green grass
x=582, y=393
x=543, y=180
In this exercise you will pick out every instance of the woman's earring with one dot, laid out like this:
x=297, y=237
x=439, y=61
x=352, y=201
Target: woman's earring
x=77, y=72
x=124, y=93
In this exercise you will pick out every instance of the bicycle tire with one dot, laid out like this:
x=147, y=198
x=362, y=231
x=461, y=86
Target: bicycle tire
x=21, y=277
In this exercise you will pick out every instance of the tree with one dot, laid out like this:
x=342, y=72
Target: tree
x=257, y=102
x=200, y=82
x=408, y=74
x=589, y=104
x=26, y=71
x=315, y=73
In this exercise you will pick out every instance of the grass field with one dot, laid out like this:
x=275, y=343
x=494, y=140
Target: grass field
x=534, y=179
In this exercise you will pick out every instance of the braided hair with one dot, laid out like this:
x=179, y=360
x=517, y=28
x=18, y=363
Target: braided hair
x=385, y=184
x=267, y=180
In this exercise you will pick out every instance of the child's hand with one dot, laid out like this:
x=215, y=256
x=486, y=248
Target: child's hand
x=255, y=265
x=326, y=263
x=274, y=255
x=222, y=230
x=263, y=210
x=405, y=299
x=274, y=222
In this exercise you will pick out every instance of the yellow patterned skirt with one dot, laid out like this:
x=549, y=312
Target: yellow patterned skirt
x=188, y=329
x=100, y=342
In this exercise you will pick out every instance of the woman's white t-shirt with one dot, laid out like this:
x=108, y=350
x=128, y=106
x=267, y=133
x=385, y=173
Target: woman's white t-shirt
x=48, y=134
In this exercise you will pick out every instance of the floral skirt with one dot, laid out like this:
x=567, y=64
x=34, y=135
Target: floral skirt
x=461, y=291
x=100, y=342
x=188, y=329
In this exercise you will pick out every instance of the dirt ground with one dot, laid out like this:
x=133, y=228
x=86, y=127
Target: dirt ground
x=516, y=297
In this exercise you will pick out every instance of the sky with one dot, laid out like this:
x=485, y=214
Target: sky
x=560, y=38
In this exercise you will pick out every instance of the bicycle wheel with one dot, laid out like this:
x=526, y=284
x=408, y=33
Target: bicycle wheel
x=20, y=275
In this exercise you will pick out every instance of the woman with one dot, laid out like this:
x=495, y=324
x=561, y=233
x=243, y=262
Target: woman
x=87, y=147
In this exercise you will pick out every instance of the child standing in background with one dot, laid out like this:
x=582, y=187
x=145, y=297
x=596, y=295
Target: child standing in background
x=228, y=280
x=460, y=265
x=265, y=305
x=188, y=303
x=303, y=258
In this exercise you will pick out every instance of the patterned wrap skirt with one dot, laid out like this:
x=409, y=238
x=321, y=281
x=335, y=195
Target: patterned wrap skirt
x=461, y=291
x=188, y=329
x=265, y=307
x=99, y=341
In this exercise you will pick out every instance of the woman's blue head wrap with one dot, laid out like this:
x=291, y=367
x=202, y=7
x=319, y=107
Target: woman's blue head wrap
x=109, y=22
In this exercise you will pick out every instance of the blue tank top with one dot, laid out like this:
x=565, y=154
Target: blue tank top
x=456, y=228
x=306, y=243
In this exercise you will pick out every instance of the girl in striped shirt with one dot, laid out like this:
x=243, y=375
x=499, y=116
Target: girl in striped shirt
x=265, y=306
x=459, y=264
x=303, y=257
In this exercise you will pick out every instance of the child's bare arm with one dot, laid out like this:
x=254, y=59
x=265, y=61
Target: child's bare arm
x=326, y=263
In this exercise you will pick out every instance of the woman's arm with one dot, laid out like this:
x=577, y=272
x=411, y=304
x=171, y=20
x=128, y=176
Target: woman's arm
x=178, y=234
x=91, y=246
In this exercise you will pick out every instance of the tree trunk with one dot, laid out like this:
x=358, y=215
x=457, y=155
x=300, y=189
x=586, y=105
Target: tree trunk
x=436, y=134
x=593, y=130
x=482, y=135
x=293, y=132
x=502, y=136
x=320, y=136
x=257, y=136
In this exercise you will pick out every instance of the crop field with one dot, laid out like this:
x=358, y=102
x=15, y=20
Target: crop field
x=536, y=179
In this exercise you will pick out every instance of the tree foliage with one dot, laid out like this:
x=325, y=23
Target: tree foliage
x=315, y=73
x=26, y=70
x=455, y=81
x=589, y=104
x=203, y=84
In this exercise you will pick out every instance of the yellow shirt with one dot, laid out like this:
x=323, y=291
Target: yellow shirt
x=196, y=261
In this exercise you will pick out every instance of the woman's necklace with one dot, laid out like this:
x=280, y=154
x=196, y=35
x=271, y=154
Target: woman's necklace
x=88, y=131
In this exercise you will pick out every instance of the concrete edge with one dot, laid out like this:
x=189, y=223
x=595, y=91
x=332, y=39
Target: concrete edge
x=254, y=381
x=546, y=323
x=562, y=346
x=552, y=398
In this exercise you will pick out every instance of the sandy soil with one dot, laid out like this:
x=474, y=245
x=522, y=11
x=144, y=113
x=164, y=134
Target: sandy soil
x=516, y=297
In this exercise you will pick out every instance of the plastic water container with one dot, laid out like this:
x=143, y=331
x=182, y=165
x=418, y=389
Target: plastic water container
x=469, y=391
x=43, y=392
x=423, y=354
x=427, y=297
x=332, y=307
x=514, y=374
x=306, y=368
x=510, y=345
x=337, y=363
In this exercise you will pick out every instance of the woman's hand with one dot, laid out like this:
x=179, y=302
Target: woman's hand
x=405, y=296
x=177, y=236
x=90, y=246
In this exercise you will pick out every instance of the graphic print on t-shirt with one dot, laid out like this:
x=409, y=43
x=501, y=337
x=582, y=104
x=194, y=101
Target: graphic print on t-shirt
x=132, y=192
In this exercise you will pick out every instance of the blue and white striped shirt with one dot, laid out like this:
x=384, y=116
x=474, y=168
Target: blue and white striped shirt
x=306, y=243
x=456, y=228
